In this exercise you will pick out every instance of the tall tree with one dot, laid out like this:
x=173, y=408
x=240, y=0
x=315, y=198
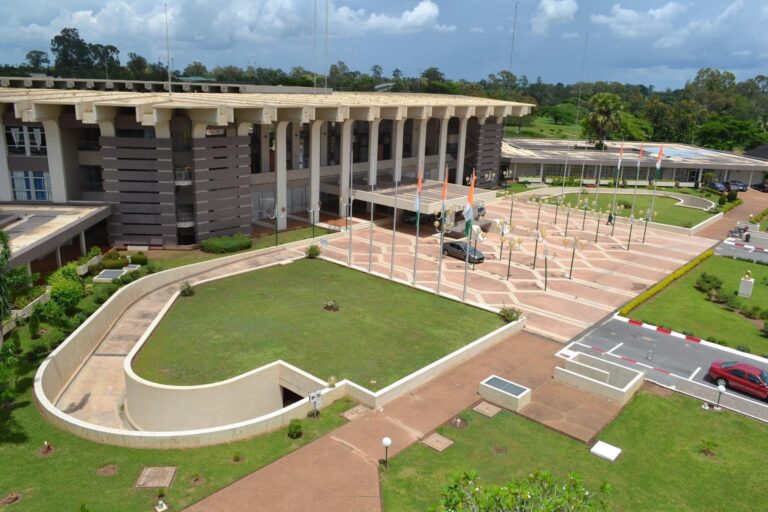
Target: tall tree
x=137, y=65
x=376, y=71
x=105, y=58
x=604, y=119
x=196, y=69
x=37, y=60
x=72, y=54
x=5, y=292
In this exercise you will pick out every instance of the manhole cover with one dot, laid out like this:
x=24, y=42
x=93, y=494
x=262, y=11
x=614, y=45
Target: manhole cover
x=487, y=409
x=437, y=442
x=159, y=476
x=355, y=412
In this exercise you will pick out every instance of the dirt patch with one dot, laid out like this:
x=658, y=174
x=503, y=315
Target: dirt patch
x=46, y=451
x=499, y=449
x=707, y=452
x=458, y=423
x=198, y=480
x=656, y=389
x=12, y=498
x=108, y=470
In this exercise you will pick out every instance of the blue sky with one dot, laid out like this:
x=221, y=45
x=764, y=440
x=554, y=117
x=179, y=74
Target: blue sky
x=656, y=42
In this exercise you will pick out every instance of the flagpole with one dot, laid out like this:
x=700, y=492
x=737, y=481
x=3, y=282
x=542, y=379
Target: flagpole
x=370, y=233
x=418, y=223
x=581, y=180
x=655, y=186
x=634, y=197
x=394, y=232
x=466, y=264
x=468, y=215
x=442, y=231
x=616, y=188
x=349, y=201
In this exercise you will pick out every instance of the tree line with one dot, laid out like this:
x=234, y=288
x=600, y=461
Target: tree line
x=713, y=109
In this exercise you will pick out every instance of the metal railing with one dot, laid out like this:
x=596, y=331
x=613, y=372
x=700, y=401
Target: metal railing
x=185, y=216
x=182, y=174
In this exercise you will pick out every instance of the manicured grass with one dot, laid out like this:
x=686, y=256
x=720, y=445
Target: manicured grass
x=513, y=188
x=382, y=332
x=681, y=307
x=544, y=128
x=68, y=478
x=668, y=212
x=163, y=260
x=660, y=467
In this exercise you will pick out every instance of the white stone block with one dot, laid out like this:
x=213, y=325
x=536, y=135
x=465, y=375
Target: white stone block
x=605, y=451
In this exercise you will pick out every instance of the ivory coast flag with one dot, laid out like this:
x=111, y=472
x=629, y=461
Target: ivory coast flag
x=658, y=162
x=418, y=199
x=621, y=155
x=640, y=157
x=468, y=207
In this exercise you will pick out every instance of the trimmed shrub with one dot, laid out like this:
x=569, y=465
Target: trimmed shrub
x=226, y=244
x=722, y=200
x=312, y=252
x=95, y=269
x=34, y=324
x=744, y=348
x=139, y=258
x=731, y=302
x=66, y=293
x=707, y=282
x=509, y=315
x=732, y=195
x=92, y=253
x=294, y=429
x=753, y=312
x=730, y=206
x=186, y=290
x=114, y=263
x=674, y=276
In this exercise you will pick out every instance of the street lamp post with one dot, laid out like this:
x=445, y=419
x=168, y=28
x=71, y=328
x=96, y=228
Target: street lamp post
x=720, y=391
x=567, y=217
x=276, y=215
x=631, y=224
x=386, y=443
x=597, y=229
x=313, y=212
x=513, y=243
x=584, y=218
x=538, y=215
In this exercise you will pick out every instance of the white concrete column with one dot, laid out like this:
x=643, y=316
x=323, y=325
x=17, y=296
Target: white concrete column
x=83, y=250
x=699, y=178
x=58, y=255
x=6, y=192
x=398, y=130
x=315, y=139
x=443, y=148
x=420, y=127
x=295, y=145
x=281, y=167
x=264, y=148
x=324, y=144
x=346, y=165
x=373, y=150
x=463, y=121
x=56, y=170
x=541, y=172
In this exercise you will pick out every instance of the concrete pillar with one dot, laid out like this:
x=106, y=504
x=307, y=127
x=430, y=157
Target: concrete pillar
x=701, y=171
x=541, y=172
x=56, y=170
x=346, y=165
x=281, y=180
x=315, y=143
x=420, y=127
x=6, y=192
x=324, y=144
x=463, y=121
x=443, y=148
x=398, y=129
x=83, y=250
x=296, y=145
x=264, y=148
x=373, y=150
x=58, y=256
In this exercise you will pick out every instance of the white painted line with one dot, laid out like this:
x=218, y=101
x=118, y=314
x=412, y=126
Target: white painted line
x=614, y=348
x=694, y=373
x=645, y=365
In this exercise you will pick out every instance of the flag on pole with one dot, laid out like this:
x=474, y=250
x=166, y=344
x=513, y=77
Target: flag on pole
x=640, y=156
x=468, y=207
x=418, y=199
x=621, y=155
x=658, y=162
x=445, y=187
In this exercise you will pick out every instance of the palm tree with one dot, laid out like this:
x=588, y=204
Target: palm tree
x=605, y=116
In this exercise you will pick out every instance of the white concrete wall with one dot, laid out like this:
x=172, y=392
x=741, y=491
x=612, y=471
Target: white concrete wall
x=601, y=377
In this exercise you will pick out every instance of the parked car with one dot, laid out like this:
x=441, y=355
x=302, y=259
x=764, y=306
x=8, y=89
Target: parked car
x=719, y=186
x=741, y=377
x=478, y=210
x=760, y=187
x=738, y=185
x=424, y=218
x=458, y=250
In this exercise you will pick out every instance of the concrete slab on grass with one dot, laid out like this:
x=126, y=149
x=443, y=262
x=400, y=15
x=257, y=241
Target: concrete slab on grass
x=605, y=451
x=437, y=442
x=487, y=409
x=157, y=476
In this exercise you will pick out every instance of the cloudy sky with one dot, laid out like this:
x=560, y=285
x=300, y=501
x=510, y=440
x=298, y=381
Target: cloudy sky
x=655, y=42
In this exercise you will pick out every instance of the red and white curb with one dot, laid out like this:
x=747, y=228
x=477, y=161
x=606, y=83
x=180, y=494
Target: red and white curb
x=732, y=241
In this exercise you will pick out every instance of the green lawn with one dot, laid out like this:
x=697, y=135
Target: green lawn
x=513, y=188
x=544, y=128
x=668, y=213
x=660, y=468
x=682, y=308
x=383, y=331
x=163, y=260
x=68, y=478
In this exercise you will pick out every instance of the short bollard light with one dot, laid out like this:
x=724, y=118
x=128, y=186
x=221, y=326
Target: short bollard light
x=386, y=443
x=720, y=391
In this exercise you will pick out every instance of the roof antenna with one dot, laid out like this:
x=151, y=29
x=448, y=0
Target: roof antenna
x=512, y=49
x=167, y=50
x=326, y=44
x=314, y=50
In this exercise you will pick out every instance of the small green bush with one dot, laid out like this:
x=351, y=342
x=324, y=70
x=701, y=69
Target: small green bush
x=114, y=263
x=139, y=258
x=312, y=252
x=732, y=195
x=237, y=457
x=95, y=269
x=34, y=324
x=722, y=200
x=743, y=348
x=753, y=312
x=226, y=244
x=294, y=429
x=92, y=253
x=509, y=315
x=731, y=302
x=707, y=282
x=66, y=293
x=186, y=290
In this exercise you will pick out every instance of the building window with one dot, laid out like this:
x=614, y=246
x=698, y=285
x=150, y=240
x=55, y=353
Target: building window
x=25, y=140
x=31, y=186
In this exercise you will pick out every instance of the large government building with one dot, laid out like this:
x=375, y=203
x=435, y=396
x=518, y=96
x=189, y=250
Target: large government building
x=175, y=167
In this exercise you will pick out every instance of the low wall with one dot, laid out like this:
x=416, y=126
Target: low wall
x=601, y=377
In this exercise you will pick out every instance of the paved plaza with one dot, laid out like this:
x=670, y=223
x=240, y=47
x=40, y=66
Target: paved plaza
x=605, y=274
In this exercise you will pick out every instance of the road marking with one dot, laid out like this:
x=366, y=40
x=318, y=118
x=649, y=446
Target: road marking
x=614, y=348
x=694, y=373
x=629, y=359
x=644, y=365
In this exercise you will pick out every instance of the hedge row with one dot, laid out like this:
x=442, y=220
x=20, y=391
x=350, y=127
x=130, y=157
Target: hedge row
x=730, y=206
x=760, y=216
x=225, y=244
x=674, y=276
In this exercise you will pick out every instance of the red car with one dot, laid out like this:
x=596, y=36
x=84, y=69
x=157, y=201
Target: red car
x=740, y=376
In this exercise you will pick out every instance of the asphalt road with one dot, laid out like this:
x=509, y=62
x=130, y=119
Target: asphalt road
x=665, y=359
x=723, y=249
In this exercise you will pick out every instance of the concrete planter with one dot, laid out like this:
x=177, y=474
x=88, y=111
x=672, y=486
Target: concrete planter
x=27, y=310
x=83, y=269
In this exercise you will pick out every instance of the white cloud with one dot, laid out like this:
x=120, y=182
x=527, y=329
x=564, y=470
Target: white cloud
x=477, y=30
x=629, y=24
x=422, y=17
x=551, y=13
x=570, y=35
x=701, y=29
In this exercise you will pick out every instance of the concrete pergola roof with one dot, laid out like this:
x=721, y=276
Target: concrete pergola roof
x=258, y=107
x=681, y=156
x=431, y=196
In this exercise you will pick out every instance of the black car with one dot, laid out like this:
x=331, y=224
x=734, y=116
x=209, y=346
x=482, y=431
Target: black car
x=718, y=186
x=424, y=218
x=458, y=250
x=760, y=187
x=738, y=185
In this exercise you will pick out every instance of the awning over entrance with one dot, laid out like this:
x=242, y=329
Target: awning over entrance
x=431, y=196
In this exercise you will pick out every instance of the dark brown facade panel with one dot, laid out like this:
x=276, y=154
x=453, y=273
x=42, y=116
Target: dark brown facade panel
x=231, y=141
x=110, y=174
x=28, y=163
x=134, y=142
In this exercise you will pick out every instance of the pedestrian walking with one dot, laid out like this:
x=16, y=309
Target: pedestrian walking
x=610, y=219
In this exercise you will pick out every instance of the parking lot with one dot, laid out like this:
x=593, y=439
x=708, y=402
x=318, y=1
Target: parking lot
x=670, y=361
